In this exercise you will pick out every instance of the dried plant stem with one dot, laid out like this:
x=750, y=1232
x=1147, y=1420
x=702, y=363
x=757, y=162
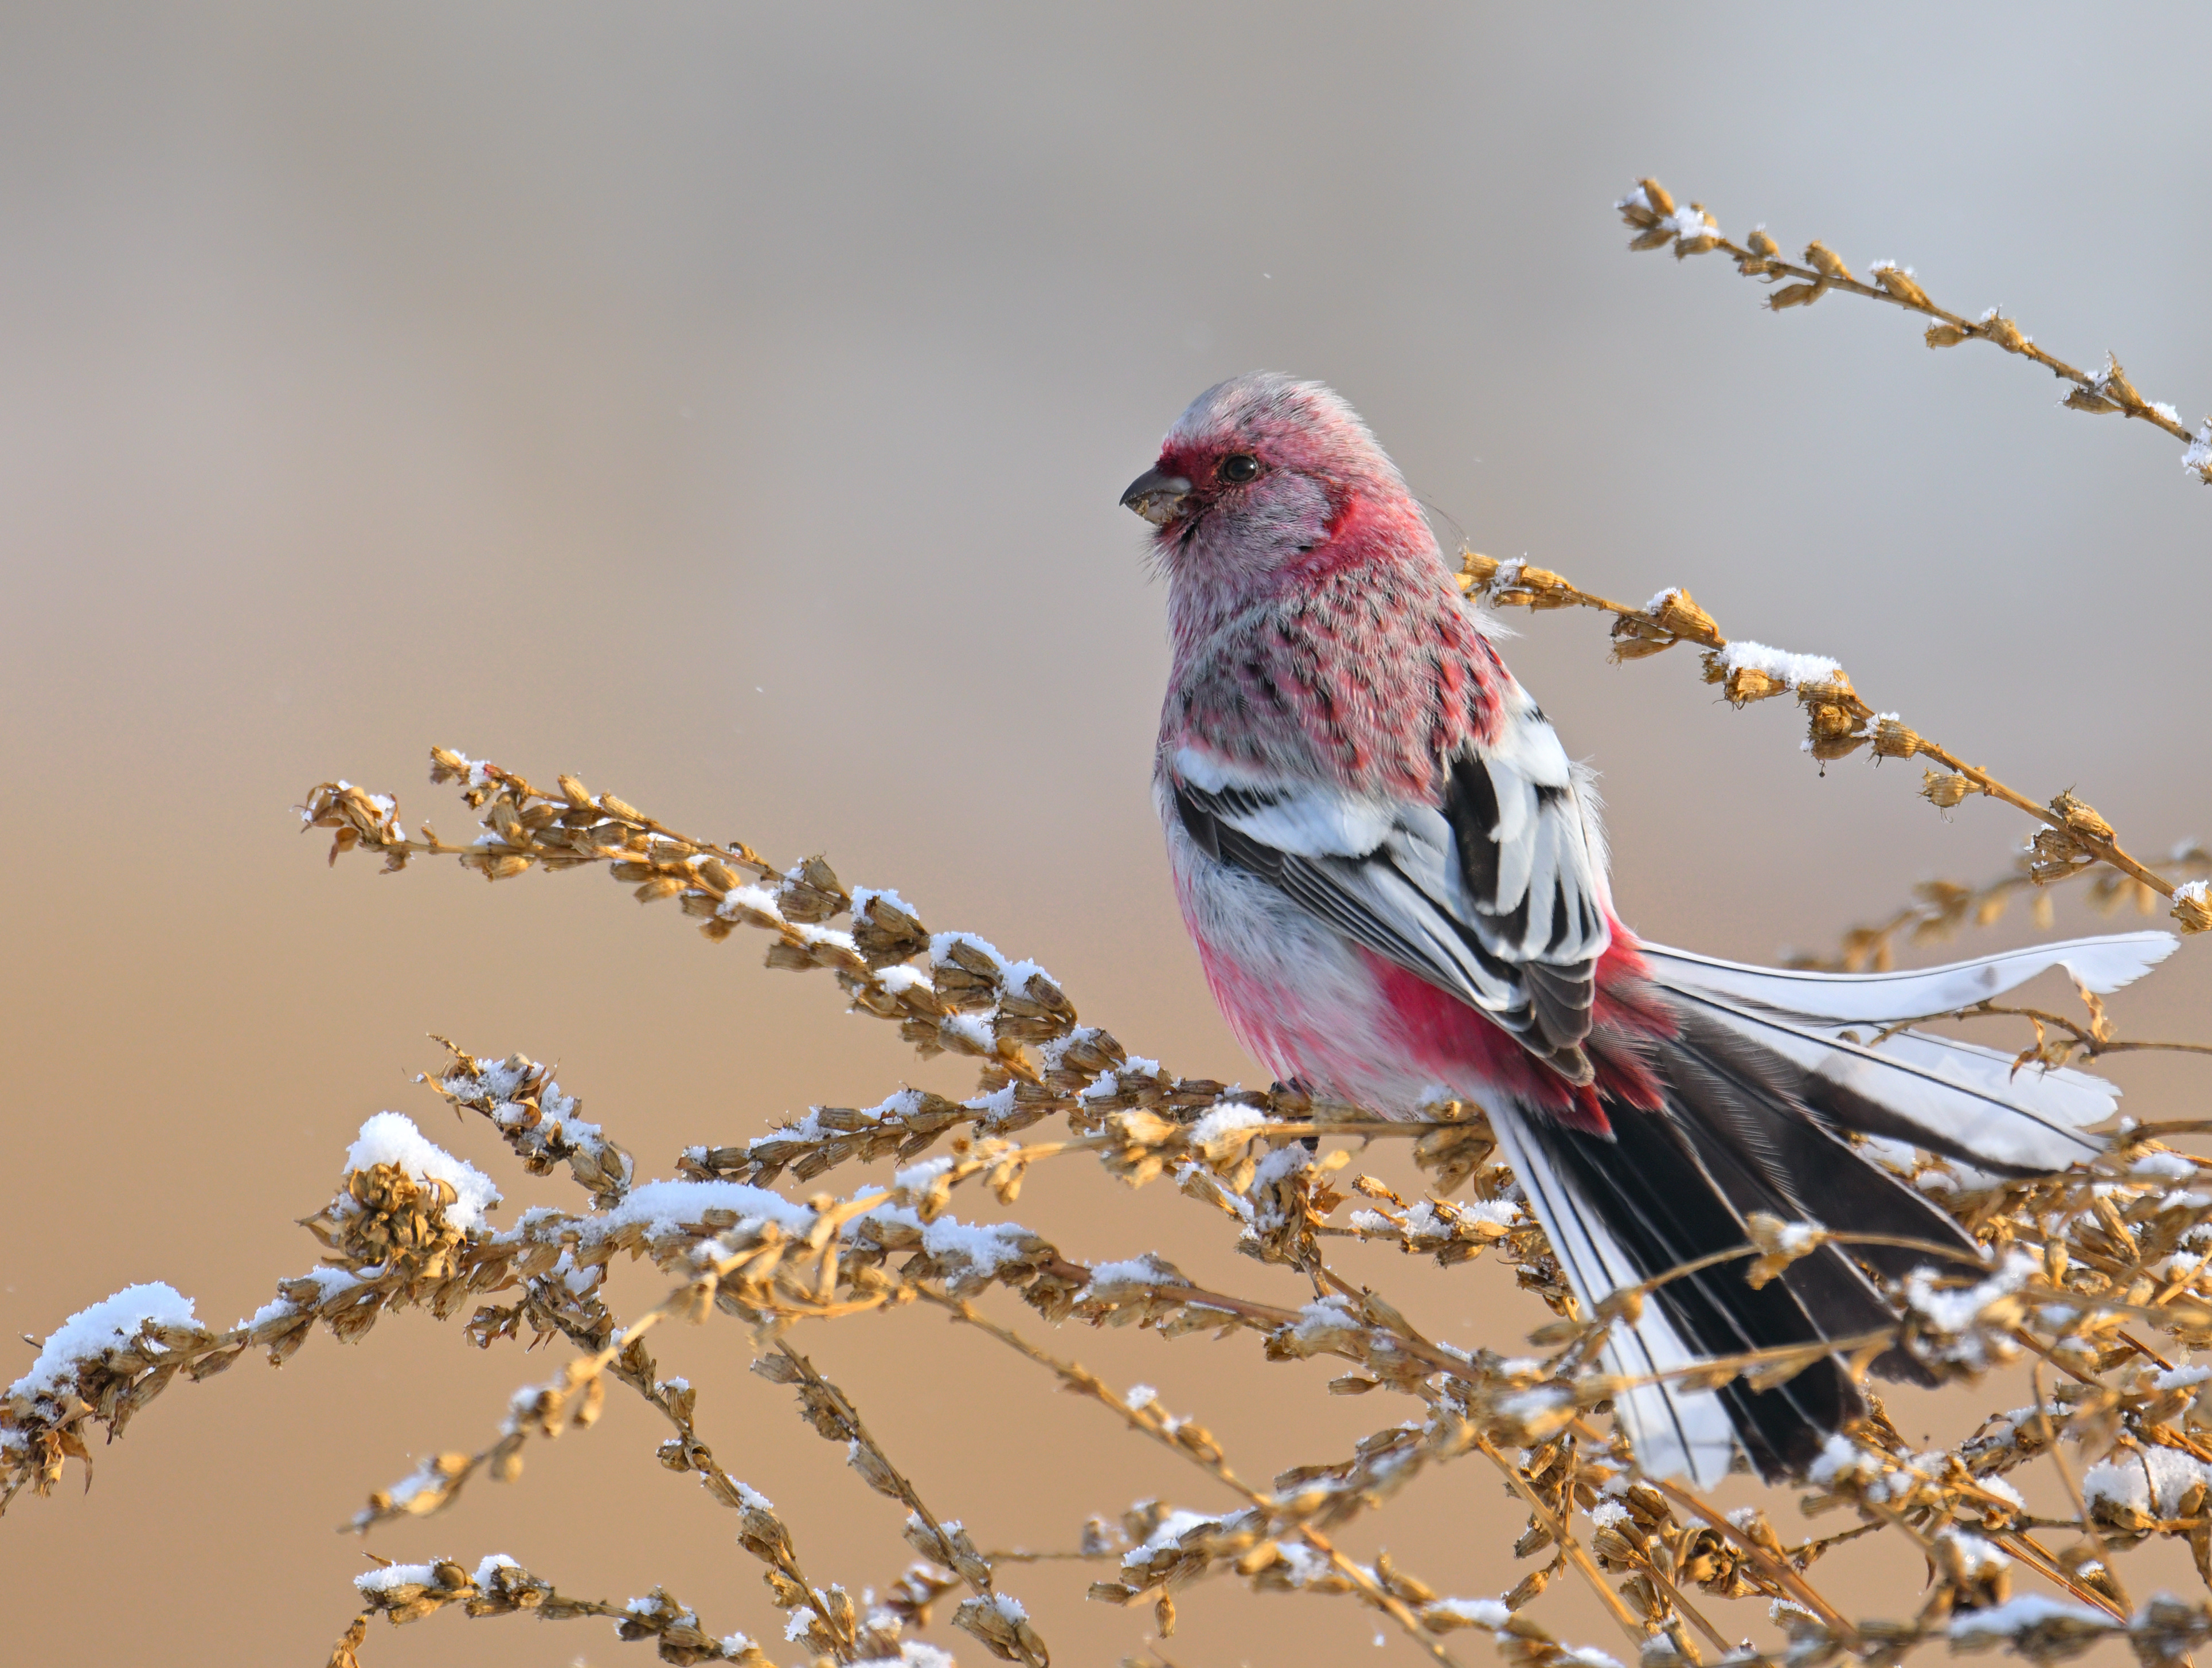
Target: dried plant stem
x=1940, y=908
x=1562, y=1537
x=1841, y=719
x=1650, y=210
x=1085, y=1382
x=2085, y=1036
x=2089, y=1530
x=1776, y=1570
x=2025, y=1548
x=979, y=1580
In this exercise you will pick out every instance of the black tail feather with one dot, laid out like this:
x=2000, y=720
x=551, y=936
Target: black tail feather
x=1675, y=1186
x=1664, y=1209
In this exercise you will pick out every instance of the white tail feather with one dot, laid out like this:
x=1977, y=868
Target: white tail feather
x=2104, y=964
x=2062, y=1096
x=1676, y=1433
x=1998, y=1122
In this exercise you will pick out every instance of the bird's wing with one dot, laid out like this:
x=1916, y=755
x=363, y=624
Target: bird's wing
x=1491, y=893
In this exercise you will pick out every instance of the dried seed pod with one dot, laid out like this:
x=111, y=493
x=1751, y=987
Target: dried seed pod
x=1898, y=284
x=1705, y=235
x=1677, y=611
x=1892, y=740
x=1631, y=645
x=2080, y=817
x=2003, y=332
x=1832, y=733
x=1943, y=789
x=1834, y=690
x=2054, y=854
x=2082, y=400
x=1637, y=211
x=1544, y=589
x=1746, y=684
x=1759, y=244
x=885, y=931
x=1823, y=260
x=2191, y=908
x=1661, y=202
x=1794, y=295
x=1944, y=336
x=1476, y=569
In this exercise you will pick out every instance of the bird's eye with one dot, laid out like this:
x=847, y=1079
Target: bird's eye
x=1239, y=467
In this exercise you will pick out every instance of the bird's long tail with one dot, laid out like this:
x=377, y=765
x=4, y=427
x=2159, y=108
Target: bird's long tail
x=1768, y=1074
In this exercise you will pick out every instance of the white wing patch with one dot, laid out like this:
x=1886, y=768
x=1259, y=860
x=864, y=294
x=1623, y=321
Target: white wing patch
x=1492, y=892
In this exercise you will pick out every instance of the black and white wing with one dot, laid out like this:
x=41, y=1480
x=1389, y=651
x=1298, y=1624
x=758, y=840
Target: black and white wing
x=1495, y=892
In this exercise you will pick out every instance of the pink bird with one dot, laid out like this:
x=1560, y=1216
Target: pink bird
x=1396, y=881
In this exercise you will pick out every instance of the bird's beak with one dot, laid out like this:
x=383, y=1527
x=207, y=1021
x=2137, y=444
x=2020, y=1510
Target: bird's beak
x=1157, y=497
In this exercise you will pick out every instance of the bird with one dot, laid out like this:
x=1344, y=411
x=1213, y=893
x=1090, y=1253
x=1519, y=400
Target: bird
x=1397, y=883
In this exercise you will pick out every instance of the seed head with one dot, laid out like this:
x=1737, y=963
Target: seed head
x=1944, y=790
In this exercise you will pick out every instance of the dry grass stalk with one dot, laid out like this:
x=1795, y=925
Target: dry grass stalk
x=2074, y=836
x=1940, y=909
x=1650, y=211
x=2103, y=1275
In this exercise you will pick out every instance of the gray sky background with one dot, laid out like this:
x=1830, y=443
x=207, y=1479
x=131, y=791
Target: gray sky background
x=728, y=403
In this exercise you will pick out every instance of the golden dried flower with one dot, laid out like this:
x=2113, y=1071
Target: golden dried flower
x=1892, y=740
x=1943, y=788
x=1780, y=1244
x=2054, y=854
x=1831, y=730
x=1759, y=244
x=2113, y=382
x=1899, y=283
x=2080, y=817
x=1476, y=569
x=1747, y=682
x=1698, y=242
x=1822, y=259
x=1676, y=611
x=1633, y=639
x=2191, y=908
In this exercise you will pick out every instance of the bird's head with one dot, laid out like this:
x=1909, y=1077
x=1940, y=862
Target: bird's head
x=1257, y=475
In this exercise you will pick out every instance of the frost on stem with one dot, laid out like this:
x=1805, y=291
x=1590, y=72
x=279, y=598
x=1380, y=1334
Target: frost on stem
x=2197, y=460
x=1648, y=212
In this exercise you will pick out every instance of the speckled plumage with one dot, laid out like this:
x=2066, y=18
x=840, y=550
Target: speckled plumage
x=1320, y=637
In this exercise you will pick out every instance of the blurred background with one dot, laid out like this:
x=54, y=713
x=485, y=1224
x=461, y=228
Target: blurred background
x=728, y=403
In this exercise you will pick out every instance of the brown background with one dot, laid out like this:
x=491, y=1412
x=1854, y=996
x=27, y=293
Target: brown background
x=728, y=403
